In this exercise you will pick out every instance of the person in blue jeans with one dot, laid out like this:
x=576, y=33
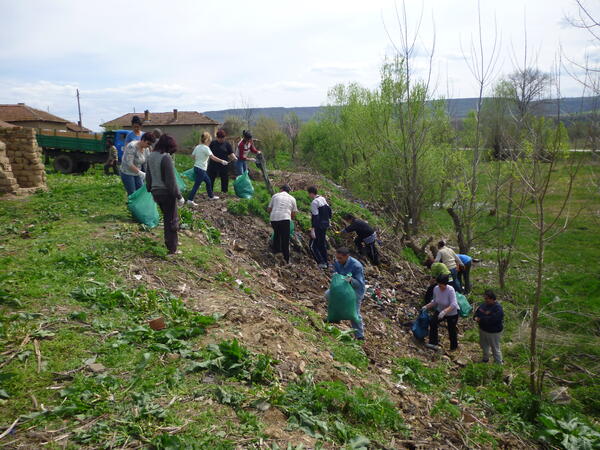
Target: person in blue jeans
x=347, y=265
x=464, y=273
x=202, y=153
x=134, y=157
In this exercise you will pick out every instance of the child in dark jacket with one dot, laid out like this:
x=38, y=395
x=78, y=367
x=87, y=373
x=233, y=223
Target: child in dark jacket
x=490, y=317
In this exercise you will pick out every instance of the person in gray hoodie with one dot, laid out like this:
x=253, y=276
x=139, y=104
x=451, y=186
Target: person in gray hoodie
x=161, y=182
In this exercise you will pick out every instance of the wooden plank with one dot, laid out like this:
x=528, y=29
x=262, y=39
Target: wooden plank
x=70, y=134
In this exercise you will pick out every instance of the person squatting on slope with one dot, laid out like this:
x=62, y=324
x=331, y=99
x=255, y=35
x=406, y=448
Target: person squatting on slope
x=320, y=220
x=446, y=308
x=161, y=182
x=222, y=150
x=282, y=209
x=134, y=156
x=202, y=154
x=366, y=237
x=244, y=146
x=447, y=256
x=490, y=317
x=347, y=265
x=464, y=273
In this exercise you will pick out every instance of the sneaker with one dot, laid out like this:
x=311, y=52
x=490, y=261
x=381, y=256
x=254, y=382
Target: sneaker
x=191, y=203
x=214, y=197
x=323, y=266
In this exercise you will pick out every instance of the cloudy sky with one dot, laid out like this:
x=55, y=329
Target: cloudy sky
x=207, y=55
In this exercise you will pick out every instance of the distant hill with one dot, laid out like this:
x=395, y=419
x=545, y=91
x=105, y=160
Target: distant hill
x=457, y=107
x=304, y=112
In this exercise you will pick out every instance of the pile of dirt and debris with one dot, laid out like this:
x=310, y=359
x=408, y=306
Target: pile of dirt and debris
x=260, y=316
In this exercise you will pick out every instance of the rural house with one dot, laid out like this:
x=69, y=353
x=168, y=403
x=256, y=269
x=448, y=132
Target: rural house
x=179, y=124
x=26, y=116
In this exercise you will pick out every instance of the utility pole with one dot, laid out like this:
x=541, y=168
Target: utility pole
x=78, y=108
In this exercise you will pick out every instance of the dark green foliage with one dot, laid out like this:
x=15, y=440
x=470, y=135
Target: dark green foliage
x=423, y=378
x=191, y=222
x=588, y=394
x=232, y=360
x=330, y=409
x=568, y=432
x=443, y=408
x=481, y=374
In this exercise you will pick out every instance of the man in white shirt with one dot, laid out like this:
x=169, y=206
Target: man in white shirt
x=282, y=209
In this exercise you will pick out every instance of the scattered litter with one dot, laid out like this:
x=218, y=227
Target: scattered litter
x=157, y=324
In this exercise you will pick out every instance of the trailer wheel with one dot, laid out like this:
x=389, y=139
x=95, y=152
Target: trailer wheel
x=64, y=164
x=82, y=166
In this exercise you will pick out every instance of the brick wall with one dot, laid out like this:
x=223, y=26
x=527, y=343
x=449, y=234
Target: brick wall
x=23, y=159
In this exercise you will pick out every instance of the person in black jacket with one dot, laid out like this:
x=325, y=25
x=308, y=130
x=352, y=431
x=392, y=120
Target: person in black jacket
x=366, y=237
x=490, y=318
x=320, y=213
x=223, y=150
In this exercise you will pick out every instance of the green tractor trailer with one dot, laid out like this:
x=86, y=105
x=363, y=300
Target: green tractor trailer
x=76, y=152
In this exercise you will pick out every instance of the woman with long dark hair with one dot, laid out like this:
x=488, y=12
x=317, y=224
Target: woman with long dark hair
x=161, y=182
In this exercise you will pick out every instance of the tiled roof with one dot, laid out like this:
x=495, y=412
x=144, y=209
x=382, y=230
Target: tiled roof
x=72, y=126
x=4, y=124
x=163, y=119
x=23, y=113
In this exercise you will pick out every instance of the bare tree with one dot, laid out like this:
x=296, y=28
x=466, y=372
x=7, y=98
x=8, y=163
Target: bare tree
x=537, y=177
x=464, y=210
x=291, y=128
x=411, y=119
x=247, y=111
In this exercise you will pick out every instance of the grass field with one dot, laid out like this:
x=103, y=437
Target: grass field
x=570, y=317
x=80, y=367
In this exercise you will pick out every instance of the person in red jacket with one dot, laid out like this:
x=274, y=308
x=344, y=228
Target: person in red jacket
x=244, y=146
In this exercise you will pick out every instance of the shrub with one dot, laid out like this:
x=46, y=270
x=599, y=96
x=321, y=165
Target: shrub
x=481, y=374
x=568, y=432
x=423, y=378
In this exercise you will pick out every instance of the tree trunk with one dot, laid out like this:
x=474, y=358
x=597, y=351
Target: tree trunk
x=458, y=226
x=534, y=366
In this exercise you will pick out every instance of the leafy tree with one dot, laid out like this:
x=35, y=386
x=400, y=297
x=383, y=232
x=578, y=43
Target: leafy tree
x=271, y=137
x=233, y=125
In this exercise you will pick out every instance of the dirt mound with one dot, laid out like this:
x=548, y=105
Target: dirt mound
x=261, y=318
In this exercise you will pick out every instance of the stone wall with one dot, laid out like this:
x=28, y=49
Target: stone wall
x=25, y=164
x=8, y=182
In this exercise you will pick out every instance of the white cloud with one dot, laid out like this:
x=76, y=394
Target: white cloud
x=207, y=55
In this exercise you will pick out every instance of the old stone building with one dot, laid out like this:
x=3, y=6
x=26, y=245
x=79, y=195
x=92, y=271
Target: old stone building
x=179, y=124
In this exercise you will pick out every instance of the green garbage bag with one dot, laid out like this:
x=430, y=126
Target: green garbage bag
x=180, y=181
x=143, y=207
x=292, y=230
x=342, y=300
x=190, y=174
x=243, y=186
x=463, y=303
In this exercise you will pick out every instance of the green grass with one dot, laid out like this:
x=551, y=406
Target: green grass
x=571, y=296
x=65, y=252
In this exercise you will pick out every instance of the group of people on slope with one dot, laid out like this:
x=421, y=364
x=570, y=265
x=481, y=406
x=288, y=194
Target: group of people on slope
x=283, y=209
x=211, y=158
x=450, y=274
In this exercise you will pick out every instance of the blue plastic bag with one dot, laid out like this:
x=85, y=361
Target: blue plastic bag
x=420, y=327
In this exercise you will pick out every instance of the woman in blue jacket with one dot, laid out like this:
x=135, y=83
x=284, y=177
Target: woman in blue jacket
x=490, y=318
